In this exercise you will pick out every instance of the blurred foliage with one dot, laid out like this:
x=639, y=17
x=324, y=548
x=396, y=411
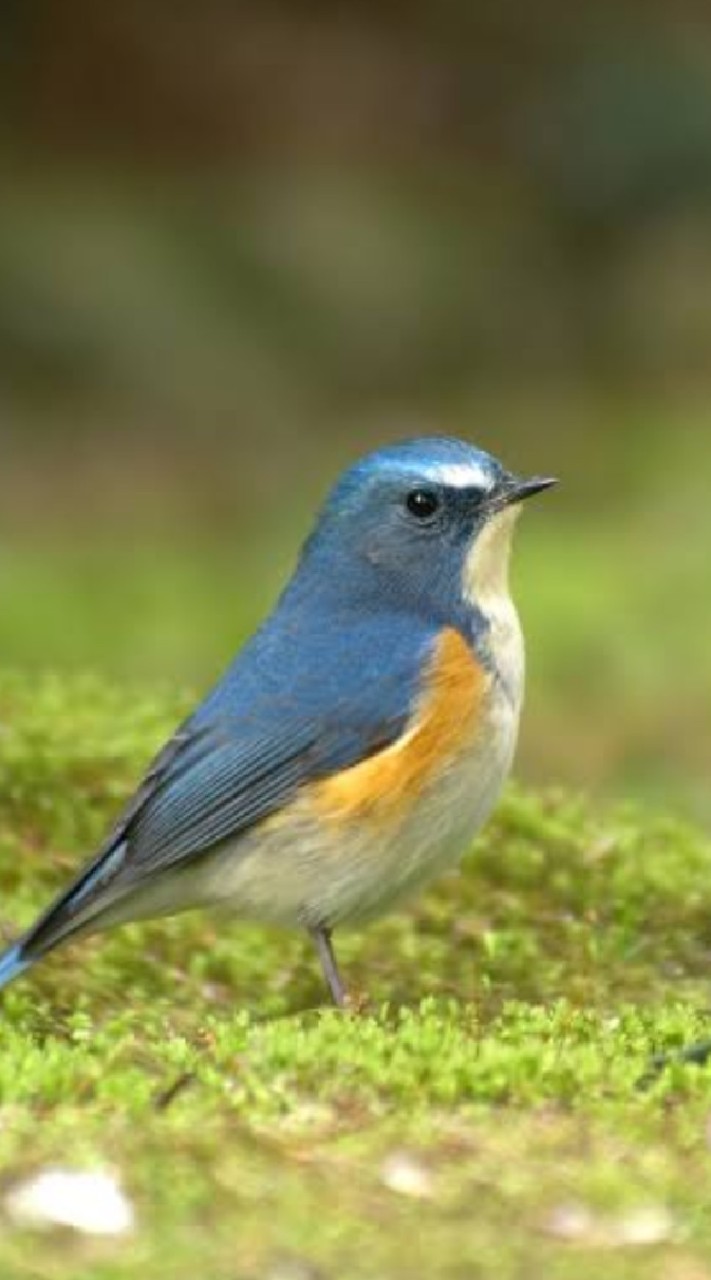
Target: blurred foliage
x=241, y=244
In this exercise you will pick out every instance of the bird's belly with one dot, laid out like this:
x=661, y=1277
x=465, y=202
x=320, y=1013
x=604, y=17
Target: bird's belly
x=300, y=868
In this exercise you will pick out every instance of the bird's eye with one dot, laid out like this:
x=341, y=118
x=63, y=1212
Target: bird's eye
x=422, y=504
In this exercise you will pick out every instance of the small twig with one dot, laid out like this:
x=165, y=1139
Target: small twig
x=167, y=1097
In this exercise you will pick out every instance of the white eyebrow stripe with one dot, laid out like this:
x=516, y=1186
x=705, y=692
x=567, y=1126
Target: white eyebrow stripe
x=464, y=475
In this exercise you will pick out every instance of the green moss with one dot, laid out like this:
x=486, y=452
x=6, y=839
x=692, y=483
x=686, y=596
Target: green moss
x=505, y=1022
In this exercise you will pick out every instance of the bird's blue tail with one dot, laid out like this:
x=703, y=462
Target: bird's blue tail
x=12, y=964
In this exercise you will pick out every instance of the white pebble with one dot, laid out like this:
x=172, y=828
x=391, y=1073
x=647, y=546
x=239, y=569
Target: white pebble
x=89, y=1202
x=407, y=1176
x=570, y=1222
x=639, y=1228
x=654, y=1225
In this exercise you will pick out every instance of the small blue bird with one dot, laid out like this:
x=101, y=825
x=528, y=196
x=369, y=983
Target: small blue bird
x=360, y=738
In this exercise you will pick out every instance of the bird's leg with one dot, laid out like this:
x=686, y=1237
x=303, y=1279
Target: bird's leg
x=322, y=938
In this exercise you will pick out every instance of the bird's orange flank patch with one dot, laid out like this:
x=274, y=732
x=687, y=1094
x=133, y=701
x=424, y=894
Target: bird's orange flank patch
x=443, y=725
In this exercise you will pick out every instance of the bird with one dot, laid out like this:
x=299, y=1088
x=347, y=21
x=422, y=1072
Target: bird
x=360, y=738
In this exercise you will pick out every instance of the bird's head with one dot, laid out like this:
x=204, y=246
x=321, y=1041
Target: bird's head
x=423, y=524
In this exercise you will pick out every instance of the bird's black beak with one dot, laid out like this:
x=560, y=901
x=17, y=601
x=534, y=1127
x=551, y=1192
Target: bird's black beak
x=518, y=490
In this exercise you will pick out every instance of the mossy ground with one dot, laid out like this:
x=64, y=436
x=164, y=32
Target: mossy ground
x=505, y=1022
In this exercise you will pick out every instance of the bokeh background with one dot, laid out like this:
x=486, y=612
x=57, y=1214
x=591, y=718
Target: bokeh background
x=242, y=242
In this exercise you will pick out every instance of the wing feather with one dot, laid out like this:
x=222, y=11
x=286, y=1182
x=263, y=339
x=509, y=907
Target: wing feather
x=232, y=766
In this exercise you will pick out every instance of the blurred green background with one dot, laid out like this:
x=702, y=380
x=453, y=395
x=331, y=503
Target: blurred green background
x=241, y=243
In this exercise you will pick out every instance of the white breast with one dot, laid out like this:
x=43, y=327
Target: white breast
x=486, y=587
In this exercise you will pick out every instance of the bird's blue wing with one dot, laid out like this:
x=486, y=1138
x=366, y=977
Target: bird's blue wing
x=224, y=782
x=280, y=718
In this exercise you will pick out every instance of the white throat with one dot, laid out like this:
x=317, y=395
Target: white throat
x=486, y=585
